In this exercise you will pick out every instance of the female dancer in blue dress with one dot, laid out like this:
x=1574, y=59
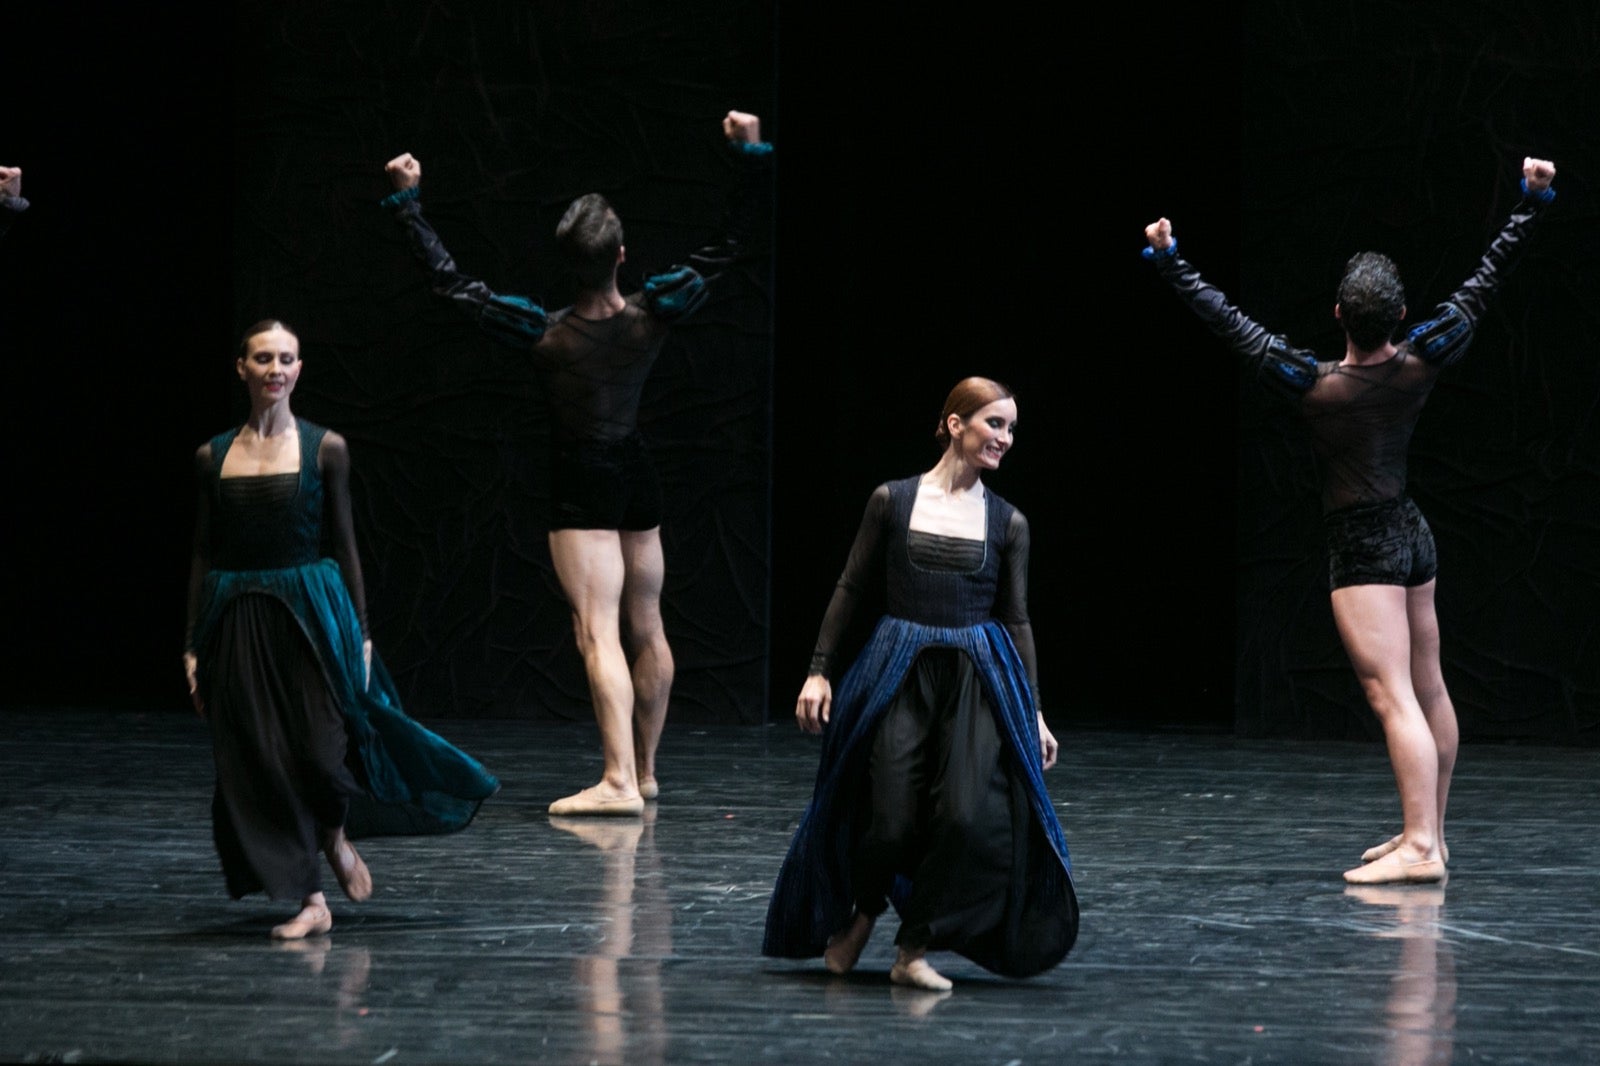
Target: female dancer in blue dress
x=305, y=724
x=931, y=790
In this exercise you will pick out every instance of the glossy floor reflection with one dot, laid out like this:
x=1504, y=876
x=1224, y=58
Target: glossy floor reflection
x=1215, y=925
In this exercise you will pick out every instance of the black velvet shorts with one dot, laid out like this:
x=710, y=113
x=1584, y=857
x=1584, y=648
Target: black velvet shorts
x=604, y=485
x=1386, y=543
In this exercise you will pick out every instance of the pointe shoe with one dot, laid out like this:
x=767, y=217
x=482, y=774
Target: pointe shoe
x=348, y=869
x=1378, y=851
x=589, y=803
x=844, y=948
x=1392, y=869
x=648, y=789
x=918, y=974
x=311, y=921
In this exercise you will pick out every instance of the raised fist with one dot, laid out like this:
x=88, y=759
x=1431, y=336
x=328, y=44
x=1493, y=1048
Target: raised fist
x=404, y=171
x=1159, y=234
x=742, y=126
x=1538, y=173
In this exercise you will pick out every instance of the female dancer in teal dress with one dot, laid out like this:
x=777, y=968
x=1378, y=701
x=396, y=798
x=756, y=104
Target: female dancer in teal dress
x=306, y=728
x=931, y=789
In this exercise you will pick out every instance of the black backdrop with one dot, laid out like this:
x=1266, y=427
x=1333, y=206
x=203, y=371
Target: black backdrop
x=953, y=197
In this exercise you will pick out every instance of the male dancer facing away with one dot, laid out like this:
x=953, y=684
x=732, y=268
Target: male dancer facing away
x=1361, y=411
x=591, y=360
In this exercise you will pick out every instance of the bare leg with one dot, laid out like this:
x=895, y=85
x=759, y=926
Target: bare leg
x=1374, y=625
x=589, y=564
x=1427, y=681
x=645, y=570
x=845, y=946
x=314, y=919
x=911, y=968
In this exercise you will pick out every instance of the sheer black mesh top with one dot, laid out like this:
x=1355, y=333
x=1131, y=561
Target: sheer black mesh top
x=1361, y=417
x=594, y=370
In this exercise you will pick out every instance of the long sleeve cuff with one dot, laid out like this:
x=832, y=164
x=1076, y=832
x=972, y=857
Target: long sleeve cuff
x=752, y=149
x=400, y=197
x=1543, y=196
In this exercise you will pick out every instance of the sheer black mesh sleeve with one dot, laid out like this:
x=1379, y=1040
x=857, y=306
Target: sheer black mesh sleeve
x=1278, y=362
x=512, y=320
x=200, y=557
x=864, y=566
x=333, y=457
x=1443, y=339
x=1011, y=599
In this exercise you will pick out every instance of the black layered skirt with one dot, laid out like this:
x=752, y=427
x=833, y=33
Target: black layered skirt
x=284, y=779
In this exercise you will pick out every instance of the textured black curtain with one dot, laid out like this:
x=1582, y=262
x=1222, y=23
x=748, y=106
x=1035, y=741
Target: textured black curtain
x=514, y=110
x=983, y=188
x=1402, y=129
x=955, y=196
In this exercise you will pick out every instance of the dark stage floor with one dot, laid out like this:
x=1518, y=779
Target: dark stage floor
x=1215, y=926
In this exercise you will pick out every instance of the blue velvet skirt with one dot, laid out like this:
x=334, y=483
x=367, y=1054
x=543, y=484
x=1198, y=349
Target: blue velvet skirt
x=1036, y=923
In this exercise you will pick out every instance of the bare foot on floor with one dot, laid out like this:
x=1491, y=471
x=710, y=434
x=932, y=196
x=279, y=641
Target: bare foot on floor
x=648, y=788
x=1378, y=851
x=845, y=946
x=1397, y=868
x=913, y=971
x=348, y=869
x=313, y=920
x=601, y=799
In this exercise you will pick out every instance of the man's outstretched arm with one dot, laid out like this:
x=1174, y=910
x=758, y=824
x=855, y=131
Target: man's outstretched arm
x=512, y=320
x=1444, y=337
x=1282, y=363
x=678, y=291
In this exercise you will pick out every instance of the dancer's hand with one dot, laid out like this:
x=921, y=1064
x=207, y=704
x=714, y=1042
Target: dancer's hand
x=816, y=699
x=366, y=662
x=1538, y=173
x=742, y=126
x=191, y=670
x=405, y=171
x=1159, y=234
x=1047, y=743
x=10, y=182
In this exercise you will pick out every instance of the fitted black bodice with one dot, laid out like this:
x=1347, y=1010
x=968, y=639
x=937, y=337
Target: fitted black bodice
x=270, y=521
x=939, y=596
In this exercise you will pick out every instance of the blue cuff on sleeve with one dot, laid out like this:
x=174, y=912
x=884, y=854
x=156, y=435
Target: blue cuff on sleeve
x=401, y=197
x=1166, y=253
x=757, y=148
x=675, y=293
x=1544, y=195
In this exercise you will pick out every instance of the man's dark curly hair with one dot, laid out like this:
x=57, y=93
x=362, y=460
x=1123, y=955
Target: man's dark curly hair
x=589, y=236
x=1371, y=300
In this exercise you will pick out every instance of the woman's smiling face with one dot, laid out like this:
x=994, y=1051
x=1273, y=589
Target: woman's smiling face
x=986, y=435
